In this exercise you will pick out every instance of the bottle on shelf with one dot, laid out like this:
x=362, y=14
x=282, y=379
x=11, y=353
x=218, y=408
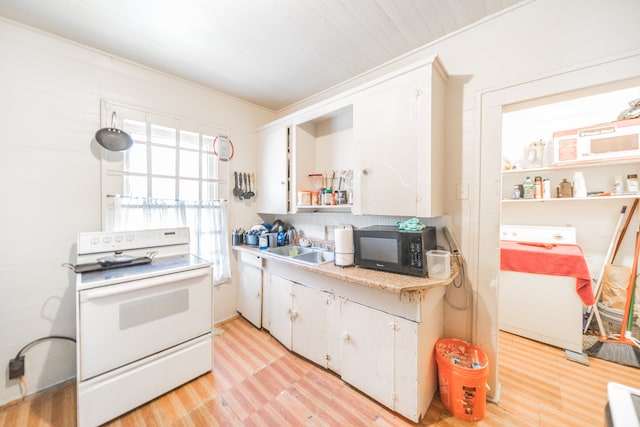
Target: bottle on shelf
x=537, y=187
x=528, y=188
x=618, y=186
x=579, y=185
x=565, y=189
x=546, y=188
x=632, y=183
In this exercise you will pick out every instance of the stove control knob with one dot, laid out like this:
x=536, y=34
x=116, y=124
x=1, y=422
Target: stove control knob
x=106, y=239
x=95, y=240
x=130, y=237
x=118, y=238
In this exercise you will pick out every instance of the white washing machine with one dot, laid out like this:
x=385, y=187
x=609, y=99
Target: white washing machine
x=541, y=307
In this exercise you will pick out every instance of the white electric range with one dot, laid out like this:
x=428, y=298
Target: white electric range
x=143, y=324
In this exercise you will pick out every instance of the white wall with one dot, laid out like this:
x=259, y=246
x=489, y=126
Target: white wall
x=50, y=180
x=531, y=41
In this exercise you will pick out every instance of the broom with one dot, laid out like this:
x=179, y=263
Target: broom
x=622, y=348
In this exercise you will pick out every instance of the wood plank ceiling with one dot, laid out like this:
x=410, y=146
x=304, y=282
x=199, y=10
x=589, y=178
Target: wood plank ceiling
x=269, y=52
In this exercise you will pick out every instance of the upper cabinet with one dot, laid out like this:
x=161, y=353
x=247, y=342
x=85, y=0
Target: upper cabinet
x=323, y=153
x=398, y=126
x=273, y=170
x=378, y=148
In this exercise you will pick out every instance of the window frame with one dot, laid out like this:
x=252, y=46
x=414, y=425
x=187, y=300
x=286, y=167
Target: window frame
x=113, y=163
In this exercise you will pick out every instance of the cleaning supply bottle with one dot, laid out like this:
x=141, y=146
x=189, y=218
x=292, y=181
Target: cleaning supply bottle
x=280, y=236
x=528, y=188
x=263, y=241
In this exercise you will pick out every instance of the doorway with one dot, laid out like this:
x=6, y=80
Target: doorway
x=607, y=76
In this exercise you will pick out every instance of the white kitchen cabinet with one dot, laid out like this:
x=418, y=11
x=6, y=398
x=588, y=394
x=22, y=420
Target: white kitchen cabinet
x=379, y=356
x=407, y=373
x=310, y=323
x=272, y=176
x=388, y=132
x=280, y=313
x=323, y=145
x=379, y=343
x=298, y=318
x=399, y=136
x=249, y=292
x=368, y=351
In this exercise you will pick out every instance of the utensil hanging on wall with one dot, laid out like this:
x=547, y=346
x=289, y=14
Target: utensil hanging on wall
x=236, y=189
x=112, y=138
x=223, y=147
x=250, y=193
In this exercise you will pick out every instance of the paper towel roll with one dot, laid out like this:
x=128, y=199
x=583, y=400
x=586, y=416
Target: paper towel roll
x=344, y=240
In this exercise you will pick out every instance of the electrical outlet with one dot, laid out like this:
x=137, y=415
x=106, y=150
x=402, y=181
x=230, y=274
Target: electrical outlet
x=16, y=368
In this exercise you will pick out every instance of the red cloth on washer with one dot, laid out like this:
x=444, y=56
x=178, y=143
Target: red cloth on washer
x=560, y=260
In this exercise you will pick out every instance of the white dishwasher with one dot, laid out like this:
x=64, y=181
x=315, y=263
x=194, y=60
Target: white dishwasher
x=542, y=307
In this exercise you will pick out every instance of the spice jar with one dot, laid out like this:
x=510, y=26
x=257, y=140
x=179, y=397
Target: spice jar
x=617, y=184
x=632, y=183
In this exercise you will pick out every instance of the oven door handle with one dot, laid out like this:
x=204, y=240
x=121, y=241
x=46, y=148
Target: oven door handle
x=151, y=282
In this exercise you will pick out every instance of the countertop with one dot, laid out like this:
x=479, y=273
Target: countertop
x=391, y=282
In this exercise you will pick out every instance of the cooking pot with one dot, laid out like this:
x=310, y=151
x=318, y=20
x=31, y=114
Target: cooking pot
x=112, y=138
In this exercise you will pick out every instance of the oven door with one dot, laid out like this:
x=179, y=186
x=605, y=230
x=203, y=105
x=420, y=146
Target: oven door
x=122, y=323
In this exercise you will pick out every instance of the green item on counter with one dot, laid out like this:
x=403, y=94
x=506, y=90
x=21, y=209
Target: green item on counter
x=412, y=224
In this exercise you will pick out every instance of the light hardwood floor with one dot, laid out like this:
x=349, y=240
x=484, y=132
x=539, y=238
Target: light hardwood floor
x=256, y=382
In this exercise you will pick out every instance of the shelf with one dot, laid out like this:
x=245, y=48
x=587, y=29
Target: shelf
x=572, y=166
x=572, y=199
x=324, y=208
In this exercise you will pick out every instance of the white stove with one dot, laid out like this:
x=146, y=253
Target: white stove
x=144, y=325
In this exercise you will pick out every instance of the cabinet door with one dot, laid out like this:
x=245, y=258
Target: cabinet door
x=272, y=171
x=266, y=301
x=280, y=310
x=406, y=368
x=249, y=293
x=309, y=325
x=334, y=333
x=385, y=127
x=368, y=351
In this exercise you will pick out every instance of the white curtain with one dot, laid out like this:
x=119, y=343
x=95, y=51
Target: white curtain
x=207, y=222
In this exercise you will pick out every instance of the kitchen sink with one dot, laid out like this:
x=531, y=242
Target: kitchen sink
x=315, y=257
x=303, y=254
x=290, y=250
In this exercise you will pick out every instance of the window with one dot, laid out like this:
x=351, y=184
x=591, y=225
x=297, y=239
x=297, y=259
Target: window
x=169, y=178
x=169, y=163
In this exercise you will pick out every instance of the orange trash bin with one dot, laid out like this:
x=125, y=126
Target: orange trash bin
x=463, y=369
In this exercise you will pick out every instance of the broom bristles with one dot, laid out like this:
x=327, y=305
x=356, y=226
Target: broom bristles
x=617, y=352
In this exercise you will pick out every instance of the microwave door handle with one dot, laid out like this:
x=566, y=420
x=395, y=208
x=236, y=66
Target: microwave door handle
x=151, y=282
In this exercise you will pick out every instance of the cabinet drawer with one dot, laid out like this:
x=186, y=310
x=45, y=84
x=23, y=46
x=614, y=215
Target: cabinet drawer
x=251, y=259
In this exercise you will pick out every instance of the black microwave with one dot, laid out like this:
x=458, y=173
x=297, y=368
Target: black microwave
x=386, y=248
